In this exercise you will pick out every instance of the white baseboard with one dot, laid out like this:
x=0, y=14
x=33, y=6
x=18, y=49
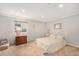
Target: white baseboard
x=72, y=44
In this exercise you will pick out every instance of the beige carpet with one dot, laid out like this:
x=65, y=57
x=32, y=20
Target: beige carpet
x=31, y=49
x=66, y=51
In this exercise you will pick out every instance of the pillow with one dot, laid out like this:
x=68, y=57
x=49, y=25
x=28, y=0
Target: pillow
x=53, y=36
x=59, y=37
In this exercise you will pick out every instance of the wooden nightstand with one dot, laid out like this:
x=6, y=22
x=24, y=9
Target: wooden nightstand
x=21, y=40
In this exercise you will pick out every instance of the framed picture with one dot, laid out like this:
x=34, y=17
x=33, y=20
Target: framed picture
x=58, y=26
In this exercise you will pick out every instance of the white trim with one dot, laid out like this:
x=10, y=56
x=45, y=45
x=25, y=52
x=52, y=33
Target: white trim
x=74, y=45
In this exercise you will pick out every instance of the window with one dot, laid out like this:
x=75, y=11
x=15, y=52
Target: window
x=20, y=28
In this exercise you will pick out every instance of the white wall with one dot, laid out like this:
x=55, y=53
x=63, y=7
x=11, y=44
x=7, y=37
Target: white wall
x=35, y=29
x=70, y=28
x=6, y=29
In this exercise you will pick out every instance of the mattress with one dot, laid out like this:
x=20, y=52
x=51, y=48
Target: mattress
x=48, y=40
x=50, y=44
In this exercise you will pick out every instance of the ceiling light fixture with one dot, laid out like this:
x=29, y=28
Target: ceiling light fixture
x=61, y=5
x=42, y=16
x=23, y=10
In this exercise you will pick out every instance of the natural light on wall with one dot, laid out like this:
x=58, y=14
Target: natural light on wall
x=61, y=6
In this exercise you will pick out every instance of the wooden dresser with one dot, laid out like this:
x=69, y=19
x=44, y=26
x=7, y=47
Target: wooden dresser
x=21, y=40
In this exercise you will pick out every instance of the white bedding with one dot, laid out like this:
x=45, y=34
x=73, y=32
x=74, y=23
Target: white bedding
x=50, y=44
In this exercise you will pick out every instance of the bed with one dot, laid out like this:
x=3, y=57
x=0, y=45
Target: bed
x=51, y=44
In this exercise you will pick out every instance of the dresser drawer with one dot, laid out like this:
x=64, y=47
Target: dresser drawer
x=21, y=40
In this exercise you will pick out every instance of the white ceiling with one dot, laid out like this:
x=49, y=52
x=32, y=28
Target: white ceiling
x=39, y=11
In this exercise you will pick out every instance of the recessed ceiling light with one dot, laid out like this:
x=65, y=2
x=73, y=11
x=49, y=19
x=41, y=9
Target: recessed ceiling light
x=61, y=5
x=42, y=16
x=23, y=10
